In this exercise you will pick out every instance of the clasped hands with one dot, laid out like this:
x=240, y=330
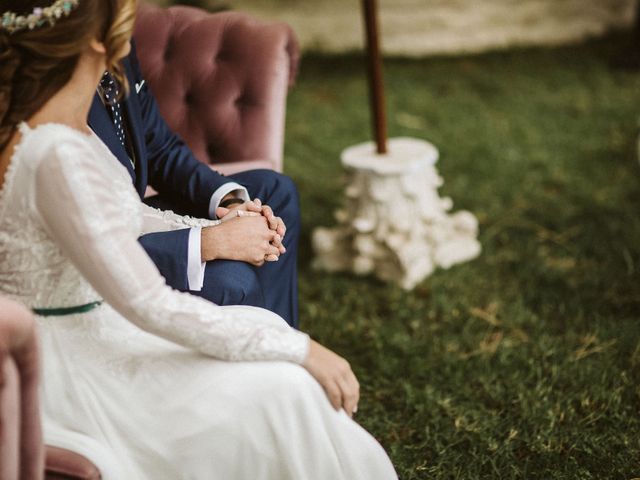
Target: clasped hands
x=249, y=232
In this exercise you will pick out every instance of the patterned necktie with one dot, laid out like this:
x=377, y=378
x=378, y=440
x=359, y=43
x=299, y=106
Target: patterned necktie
x=110, y=90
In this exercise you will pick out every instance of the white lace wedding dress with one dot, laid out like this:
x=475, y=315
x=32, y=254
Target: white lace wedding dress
x=153, y=383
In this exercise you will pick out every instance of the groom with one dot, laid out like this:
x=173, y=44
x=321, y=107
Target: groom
x=249, y=260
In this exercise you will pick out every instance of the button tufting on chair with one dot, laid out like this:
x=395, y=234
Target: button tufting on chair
x=198, y=63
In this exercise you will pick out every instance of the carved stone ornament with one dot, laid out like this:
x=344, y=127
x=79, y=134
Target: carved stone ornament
x=394, y=223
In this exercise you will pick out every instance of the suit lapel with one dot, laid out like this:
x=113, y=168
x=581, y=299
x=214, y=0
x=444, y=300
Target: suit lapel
x=100, y=122
x=133, y=116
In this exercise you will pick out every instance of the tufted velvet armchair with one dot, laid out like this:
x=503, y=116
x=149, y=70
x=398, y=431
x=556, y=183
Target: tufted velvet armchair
x=221, y=82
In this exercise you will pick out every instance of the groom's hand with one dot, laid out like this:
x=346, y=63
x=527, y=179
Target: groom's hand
x=243, y=236
x=275, y=223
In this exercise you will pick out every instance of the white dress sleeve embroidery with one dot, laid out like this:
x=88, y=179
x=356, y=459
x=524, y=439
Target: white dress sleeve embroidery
x=156, y=220
x=76, y=203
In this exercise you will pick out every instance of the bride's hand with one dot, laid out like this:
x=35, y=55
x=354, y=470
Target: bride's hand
x=336, y=377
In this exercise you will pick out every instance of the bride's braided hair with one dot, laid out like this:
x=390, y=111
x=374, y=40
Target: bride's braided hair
x=36, y=64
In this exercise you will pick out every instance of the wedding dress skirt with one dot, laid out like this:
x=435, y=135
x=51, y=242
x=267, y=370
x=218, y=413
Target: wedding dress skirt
x=201, y=418
x=153, y=383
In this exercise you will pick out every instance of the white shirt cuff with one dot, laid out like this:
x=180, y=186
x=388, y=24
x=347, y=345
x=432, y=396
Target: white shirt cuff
x=223, y=190
x=195, y=265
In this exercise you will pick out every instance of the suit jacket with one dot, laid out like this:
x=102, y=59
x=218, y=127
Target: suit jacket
x=163, y=161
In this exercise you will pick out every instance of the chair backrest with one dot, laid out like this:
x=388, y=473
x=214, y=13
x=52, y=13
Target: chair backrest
x=21, y=448
x=220, y=79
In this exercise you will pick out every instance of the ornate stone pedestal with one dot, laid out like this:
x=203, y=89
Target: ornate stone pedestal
x=394, y=223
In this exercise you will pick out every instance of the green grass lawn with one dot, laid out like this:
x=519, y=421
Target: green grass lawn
x=524, y=363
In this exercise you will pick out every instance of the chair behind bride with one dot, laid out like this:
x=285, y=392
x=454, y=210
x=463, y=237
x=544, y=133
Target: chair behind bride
x=21, y=449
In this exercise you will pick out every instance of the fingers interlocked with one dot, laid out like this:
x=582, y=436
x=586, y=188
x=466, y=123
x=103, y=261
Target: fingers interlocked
x=274, y=222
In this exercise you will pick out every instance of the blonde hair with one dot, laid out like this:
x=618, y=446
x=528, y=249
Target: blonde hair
x=36, y=64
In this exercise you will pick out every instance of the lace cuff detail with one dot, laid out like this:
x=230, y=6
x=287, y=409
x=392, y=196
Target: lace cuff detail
x=156, y=220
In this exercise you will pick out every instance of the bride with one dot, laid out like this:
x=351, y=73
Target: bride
x=147, y=382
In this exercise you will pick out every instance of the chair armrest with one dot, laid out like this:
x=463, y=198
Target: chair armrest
x=20, y=431
x=64, y=464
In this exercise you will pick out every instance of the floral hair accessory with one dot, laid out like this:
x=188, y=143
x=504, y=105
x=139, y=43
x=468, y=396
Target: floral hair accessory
x=12, y=22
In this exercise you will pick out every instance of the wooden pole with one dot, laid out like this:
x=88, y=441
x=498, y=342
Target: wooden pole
x=376, y=87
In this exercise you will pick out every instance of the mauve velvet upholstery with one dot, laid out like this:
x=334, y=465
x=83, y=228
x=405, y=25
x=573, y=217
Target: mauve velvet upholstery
x=221, y=82
x=21, y=448
x=64, y=464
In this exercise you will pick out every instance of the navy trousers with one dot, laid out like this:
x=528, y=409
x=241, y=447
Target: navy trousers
x=274, y=285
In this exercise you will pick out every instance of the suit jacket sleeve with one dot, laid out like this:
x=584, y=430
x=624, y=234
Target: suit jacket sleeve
x=169, y=251
x=167, y=240
x=173, y=169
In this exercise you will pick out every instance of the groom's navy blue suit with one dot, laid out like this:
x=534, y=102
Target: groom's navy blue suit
x=163, y=161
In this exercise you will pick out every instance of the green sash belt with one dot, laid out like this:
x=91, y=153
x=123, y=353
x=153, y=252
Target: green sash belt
x=60, y=312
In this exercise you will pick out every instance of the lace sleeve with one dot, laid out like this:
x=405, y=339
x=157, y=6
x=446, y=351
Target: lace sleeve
x=156, y=220
x=95, y=226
